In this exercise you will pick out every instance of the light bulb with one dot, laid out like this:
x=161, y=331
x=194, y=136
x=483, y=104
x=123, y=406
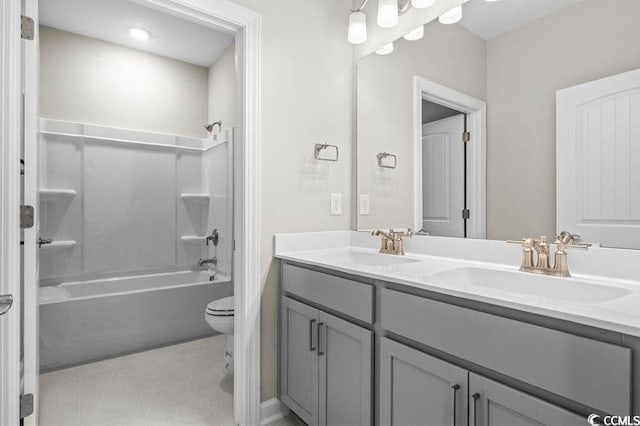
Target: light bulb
x=421, y=4
x=386, y=49
x=387, y=13
x=451, y=16
x=415, y=34
x=357, y=28
x=139, y=33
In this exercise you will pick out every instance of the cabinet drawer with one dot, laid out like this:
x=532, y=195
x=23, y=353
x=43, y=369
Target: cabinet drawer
x=591, y=372
x=352, y=298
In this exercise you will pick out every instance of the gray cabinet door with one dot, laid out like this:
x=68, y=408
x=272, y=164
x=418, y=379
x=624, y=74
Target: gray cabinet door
x=344, y=353
x=419, y=390
x=494, y=404
x=299, y=360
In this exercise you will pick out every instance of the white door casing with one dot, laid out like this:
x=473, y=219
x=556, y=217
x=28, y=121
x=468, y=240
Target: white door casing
x=476, y=111
x=597, y=157
x=443, y=177
x=10, y=140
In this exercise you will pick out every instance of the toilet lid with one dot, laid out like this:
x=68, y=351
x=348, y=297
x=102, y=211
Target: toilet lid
x=222, y=306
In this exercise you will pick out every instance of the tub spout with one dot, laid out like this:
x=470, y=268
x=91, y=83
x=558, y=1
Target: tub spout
x=212, y=261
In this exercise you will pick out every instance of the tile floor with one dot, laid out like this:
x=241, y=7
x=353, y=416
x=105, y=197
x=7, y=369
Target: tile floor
x=179, y=385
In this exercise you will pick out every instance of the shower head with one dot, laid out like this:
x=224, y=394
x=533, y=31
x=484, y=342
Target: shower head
x=209, y=127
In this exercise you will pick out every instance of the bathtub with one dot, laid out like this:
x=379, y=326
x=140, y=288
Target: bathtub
x=85, y=321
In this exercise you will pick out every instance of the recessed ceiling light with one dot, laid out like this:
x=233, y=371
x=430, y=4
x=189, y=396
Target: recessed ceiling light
x=139, y=33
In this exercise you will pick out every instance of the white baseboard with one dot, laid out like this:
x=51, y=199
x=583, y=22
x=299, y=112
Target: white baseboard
x=272, y=410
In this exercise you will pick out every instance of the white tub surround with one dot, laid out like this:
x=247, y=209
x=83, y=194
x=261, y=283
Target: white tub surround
x=603, y=292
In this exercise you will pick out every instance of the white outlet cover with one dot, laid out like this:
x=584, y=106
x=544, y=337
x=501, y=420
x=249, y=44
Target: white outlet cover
x=336, y=204
x=365, y=205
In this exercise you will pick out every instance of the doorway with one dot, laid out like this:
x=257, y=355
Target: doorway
x=444, y=169
x=244, y=25
x=449, y=161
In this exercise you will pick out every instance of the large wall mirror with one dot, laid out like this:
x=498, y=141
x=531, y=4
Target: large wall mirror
x=520, y=120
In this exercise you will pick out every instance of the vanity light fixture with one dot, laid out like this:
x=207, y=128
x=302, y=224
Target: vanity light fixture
x=139, y=33
x=421, y=4
x=452, y=16
x=387, y=13
x=386, y=49
x=357, y=27
x=415, y=34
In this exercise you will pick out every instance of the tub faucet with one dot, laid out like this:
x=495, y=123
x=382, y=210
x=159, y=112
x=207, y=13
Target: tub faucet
x=212, y=261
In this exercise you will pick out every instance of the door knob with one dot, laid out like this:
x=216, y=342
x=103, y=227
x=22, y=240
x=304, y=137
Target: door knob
x=6, y=301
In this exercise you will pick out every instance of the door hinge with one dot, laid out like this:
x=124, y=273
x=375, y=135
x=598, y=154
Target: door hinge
x=466, y=214
x=26, y=405
x=26, y=217
x=27, y=28
x=466, y=136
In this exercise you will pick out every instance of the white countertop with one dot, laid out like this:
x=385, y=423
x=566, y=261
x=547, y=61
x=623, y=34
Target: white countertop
x=597, y=268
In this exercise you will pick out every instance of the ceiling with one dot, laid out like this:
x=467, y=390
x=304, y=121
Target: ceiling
x=110, y=20
x=489, y=19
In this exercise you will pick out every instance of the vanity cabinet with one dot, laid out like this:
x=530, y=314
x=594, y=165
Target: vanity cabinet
x=439, y=359
x=494, y=404
x=325, y=366
x=418, y=389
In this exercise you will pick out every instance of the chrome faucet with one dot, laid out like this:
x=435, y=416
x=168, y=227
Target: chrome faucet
x=541, y=247
x=392, y=242
x=212, y=261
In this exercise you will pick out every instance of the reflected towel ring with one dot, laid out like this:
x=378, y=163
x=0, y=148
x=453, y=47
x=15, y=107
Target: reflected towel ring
x=323, y=146
x=381, y=156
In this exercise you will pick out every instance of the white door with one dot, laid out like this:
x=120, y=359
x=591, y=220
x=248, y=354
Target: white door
x=10, y=134
x=598, y=160
x=443, y=177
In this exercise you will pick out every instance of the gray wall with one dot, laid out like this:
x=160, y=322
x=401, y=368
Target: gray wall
x=305, y=98
x=91, y=81
x=222, y=88
x=525, y=67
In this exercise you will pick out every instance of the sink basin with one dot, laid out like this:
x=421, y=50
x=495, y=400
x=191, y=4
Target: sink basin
x=566, y=289
x=358, y=258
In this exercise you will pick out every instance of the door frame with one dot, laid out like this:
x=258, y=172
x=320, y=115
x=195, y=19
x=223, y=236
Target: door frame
x=10, y=131
x=245, y=23
x=476, y=111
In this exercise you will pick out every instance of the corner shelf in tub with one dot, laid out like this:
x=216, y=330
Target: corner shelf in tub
x=57, y=245
x=195, y=198
x=56, y=194
x=193, y=239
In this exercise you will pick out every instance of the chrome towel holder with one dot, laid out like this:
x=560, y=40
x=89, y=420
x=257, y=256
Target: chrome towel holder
x=323, y=146
x=381, y=156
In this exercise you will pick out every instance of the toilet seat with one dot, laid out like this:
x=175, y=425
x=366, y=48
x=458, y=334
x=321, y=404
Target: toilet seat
x=221, y=308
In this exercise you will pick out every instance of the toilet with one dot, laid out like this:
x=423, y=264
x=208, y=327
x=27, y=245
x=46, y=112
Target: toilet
x=219, y=316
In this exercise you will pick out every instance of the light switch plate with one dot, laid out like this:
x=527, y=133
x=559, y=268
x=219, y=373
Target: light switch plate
x=364, y=205
x=336, y=204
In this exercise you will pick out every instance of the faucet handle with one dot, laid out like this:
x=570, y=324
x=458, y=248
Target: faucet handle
x=567, y=237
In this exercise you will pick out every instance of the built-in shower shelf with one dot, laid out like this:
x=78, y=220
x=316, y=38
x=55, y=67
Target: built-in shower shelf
x=58, y=245
x=195, y=198
x=56, y=194
x=193, y=239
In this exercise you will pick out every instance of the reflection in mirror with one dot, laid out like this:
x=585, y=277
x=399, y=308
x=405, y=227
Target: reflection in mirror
x=494, y=79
